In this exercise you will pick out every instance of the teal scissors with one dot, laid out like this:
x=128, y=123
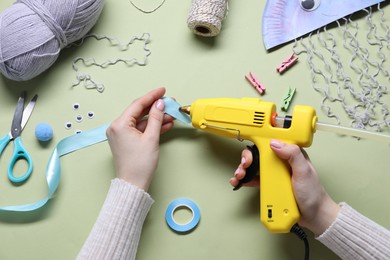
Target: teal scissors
x=20, y=119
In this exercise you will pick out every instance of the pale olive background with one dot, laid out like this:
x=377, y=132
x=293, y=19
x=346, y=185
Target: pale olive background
x=193, y=164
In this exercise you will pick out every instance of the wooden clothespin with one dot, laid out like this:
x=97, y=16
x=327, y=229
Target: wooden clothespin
x=255, y=83
x=287, y=99
x=287, y=63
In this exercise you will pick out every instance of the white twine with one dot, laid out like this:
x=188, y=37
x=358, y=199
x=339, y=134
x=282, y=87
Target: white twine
x=205, y=17
x=147, y=11
x=89, y=83
x=358, y=89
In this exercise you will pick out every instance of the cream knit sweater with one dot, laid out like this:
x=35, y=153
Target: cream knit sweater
x=117, y=230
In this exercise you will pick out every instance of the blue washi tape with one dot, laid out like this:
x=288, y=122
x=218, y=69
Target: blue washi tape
x=187, y=203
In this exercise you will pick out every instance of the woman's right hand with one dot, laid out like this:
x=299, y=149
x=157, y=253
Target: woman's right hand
x=318, y=210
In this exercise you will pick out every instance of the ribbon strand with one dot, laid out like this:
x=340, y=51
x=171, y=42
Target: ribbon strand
x=79, y=141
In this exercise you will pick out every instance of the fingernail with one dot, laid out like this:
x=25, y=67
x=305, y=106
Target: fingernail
x=160, y=105
x=276, y=144
x=243, y=160
x=237, y=171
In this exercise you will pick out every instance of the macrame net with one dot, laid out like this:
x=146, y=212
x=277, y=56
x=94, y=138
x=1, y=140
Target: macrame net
x=349, y=66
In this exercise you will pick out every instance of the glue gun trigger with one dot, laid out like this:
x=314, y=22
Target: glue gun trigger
x=253, y=169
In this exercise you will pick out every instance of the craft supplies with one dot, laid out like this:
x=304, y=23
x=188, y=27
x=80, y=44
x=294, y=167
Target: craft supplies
x=255, y=83
x=146, y=11
x=68, y=125
x=79, y=117
x=309, y=5
x=43, y=132
x=172, y=108
x=53, y=171
x=287, y=100
x=19, y=121
x=285, y=20
x=33, y=32
x=73, y=143
x=345, y=48
x=76, y=106
x=349, y=69
x=205, y=17
x=186, y=204
x=285, y=65
x=89, y=83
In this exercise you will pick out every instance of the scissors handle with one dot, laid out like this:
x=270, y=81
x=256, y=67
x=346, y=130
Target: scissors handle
x=3, y=142
x=19, y=154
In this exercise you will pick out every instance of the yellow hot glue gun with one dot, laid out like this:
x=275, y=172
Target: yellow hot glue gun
x=257, y=121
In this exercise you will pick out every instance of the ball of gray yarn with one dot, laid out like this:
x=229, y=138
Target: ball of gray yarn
x=33, y=32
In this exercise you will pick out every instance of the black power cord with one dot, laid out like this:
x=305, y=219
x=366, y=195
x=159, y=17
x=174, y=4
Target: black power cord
x=297, y=230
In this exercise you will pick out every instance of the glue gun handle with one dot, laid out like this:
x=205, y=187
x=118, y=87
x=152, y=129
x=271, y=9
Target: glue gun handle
x=252, y=170
x=278, y=208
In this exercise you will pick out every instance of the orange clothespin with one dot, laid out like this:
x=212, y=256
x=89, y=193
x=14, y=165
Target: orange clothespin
x=287, y=63
x=255, y=83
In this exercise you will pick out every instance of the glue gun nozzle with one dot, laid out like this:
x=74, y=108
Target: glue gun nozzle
x=185, y=109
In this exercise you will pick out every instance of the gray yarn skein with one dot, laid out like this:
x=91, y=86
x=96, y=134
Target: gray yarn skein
x=33, y=32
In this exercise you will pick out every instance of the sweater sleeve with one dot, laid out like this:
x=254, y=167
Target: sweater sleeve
x=117, y=230
x=354, y=236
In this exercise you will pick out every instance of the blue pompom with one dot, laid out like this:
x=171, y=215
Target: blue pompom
x=43, y=132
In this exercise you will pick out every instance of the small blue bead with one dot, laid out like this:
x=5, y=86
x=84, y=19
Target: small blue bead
x=44, y=132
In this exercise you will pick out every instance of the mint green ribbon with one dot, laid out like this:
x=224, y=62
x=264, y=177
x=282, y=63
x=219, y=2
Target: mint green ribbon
x=77, y=142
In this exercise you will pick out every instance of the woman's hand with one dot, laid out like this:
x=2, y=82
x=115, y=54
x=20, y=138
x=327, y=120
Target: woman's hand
x=134, y=138
x=318, y=210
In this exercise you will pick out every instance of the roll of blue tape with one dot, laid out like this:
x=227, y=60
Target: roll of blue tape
x=187, y=203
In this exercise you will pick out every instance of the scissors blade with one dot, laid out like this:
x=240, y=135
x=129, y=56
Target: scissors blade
x=28, y=110
x=16, y=127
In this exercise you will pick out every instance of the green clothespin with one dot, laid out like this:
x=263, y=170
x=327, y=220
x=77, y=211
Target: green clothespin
x=287, y=99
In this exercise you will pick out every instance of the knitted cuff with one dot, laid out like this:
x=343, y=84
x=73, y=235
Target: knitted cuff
x=354, y=236
x=117, y=230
